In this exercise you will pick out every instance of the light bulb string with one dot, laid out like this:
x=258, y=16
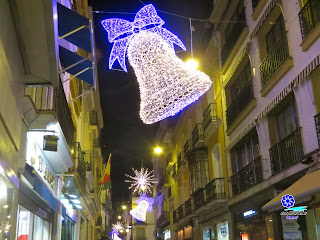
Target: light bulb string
x=191, y=47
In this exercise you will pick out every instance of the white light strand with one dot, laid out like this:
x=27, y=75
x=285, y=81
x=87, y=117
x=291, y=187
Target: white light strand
x=142, y=181
x=166, y=83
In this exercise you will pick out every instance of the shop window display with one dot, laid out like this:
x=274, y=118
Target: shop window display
x=7, y=192
x=32, y=227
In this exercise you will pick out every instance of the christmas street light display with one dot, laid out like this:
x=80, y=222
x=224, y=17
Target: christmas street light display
x=167, y=84
x=144, y=204
x=142, y=181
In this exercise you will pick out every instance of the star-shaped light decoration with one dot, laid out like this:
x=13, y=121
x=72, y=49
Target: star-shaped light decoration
x=142, y=181
x=117, y=227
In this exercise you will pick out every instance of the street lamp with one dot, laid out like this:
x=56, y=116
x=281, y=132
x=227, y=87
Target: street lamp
x=192, y=64
x=119, y=217
x=124, y=207
x=158, y=150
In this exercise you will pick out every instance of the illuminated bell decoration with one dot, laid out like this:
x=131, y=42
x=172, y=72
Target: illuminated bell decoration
x=140, y=212
x=144, y=204
x=167, y=84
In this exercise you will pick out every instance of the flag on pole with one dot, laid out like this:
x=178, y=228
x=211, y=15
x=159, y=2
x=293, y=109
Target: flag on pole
x=105, y=179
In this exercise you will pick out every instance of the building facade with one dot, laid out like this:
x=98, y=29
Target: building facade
x=263, y=58
x=51, y=117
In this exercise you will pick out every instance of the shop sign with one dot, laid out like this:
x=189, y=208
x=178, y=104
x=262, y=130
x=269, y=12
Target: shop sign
x=294, y=235
x=206, y=234
x=249, y=213
x=291, y=212
x=289, y=225
x=38, y=161
x=223, y=230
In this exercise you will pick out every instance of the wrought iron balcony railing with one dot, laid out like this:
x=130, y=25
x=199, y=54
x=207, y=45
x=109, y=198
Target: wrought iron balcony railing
x=287, y=152
x=180, y=212
x=198, y=198
x=317, y=121
x=274, y=59
x=197, y=135
x=188, y=207
x=164, y=219
x=175, y=216
x=174, y=170
x=187, y=148
x=309, y=17
x=209, y=115
x=215, y=189
x=80, y=162
x=180, y=160
x=240, y=102
x=247, y=177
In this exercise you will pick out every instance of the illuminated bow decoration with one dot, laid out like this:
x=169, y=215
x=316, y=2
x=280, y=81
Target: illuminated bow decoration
x=121, y=32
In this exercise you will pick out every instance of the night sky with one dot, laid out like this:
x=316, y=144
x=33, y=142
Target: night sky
x=124, y=135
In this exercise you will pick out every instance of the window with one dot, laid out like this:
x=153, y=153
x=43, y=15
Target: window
x=286, y=122
x=199, y=175
x=233, y=30
x=67, y=230
x=31, y=226
x=240, y=82
x=275, y=34
x=245, y=151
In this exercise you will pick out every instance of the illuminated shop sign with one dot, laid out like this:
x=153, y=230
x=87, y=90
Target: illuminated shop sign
x=291, y=212
x=38, y=161
x=249, y=213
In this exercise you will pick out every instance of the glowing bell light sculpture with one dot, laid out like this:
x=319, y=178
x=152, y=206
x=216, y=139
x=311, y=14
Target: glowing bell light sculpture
x=167, y=84
x=144, y=204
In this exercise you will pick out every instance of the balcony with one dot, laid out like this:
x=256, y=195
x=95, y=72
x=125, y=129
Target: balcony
x=240, y=102
x=197, y=136
x=174, y=170
x=180, y=212
x=234, y=31
x=188, y=207
x=46, y=109
x=317, y=121
x=309, y=17
x=80, y=163
x=274, y=60
x=163, y=182
x=164, y=219
x=180, y=160
x=89, y=164
x=215, y=189
x=175, y=216
x=198, y=198
x=287, y=152
x=187, y=149
x=247, y=177
x=210, y=119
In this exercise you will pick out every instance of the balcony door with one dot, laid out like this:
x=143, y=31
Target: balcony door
x=286, y=122
x=275, y=34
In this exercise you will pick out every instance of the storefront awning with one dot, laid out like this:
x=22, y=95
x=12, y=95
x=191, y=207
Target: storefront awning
x=305, y=187
x=74, y=28
x=76, y=65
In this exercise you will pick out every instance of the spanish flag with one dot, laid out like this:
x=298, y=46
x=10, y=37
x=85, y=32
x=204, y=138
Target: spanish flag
x=105, y=179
